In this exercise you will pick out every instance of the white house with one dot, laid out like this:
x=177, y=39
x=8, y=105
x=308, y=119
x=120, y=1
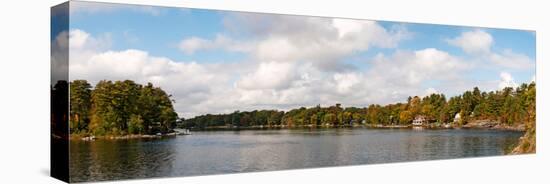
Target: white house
x=419, y=120
x=457, y=118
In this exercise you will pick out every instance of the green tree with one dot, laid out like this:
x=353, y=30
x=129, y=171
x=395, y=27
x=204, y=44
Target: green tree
x=80, y=105
x=135, y=125
x=124, y=107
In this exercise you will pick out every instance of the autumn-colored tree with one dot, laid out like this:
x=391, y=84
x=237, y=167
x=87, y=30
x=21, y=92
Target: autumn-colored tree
x=508, y=106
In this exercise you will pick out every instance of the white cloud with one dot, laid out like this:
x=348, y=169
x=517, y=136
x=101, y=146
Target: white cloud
x=269, y=75
x=321, y=41
x=509, y=59
x=506, y=80
x=190, y=45
x=78, y=38
x=193, y=44
x=411, y=68
x=430, y=91
x=388, y=80
x=59, y=56
x=345, y=82
x=348, y=26
x=473, y=42
x=402, y=74
x=478, y=43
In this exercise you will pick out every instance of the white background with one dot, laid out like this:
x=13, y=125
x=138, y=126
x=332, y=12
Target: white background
x=25, y=69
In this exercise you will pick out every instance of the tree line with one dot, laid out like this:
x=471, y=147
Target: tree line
x=509, y=106
x=119, y=108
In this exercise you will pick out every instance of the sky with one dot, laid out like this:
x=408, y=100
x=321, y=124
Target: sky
x=222, y=61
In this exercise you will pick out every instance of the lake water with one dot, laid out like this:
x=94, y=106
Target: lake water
x=217, y=152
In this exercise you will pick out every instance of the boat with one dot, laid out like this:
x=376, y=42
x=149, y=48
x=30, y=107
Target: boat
x=182, y=131
x=89, y=138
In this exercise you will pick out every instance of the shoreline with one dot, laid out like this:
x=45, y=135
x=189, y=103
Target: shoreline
x=474, y=125
x=486, y=124
x=75, y=137
x=477, y=125
x=499, y=127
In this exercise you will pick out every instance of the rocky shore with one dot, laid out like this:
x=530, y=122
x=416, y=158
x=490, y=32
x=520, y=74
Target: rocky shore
x=488, y=124
x=527, y=142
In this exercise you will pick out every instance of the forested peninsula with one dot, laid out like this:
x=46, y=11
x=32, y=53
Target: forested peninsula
x=509, y=108
x=123, y=108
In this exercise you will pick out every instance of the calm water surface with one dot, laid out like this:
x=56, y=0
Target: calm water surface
x=217, y=152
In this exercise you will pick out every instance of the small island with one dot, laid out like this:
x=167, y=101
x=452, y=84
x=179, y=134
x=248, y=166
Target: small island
x=119, y=110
